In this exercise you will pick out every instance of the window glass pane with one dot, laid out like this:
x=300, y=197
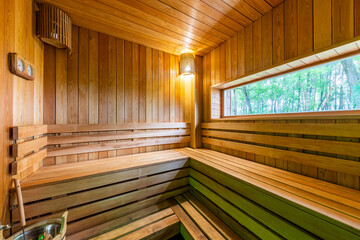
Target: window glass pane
x=329, y=87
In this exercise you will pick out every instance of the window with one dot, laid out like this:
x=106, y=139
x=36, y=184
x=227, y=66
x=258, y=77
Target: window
x=330, y=87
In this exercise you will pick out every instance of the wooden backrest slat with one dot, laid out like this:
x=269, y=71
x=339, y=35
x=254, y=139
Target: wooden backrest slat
x=61, y=151
x=80, y=138
x=22, y=132
x=339, y=130
x=30, y=160
x=330, y=163
x=20, y=149
x=68, y=128
x=319, y=145
x=60, y=139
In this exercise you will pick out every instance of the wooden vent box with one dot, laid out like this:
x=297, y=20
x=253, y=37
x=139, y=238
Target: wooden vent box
x=54, y=26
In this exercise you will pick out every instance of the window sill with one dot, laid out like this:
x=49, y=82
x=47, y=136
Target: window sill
x=347, y=114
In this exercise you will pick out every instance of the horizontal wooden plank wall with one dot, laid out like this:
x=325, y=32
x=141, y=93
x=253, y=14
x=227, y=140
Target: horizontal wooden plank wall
x=323, y=149
x=97, y=199
x=106, y=80
x=32, y=144
x=289, y=31
x=98, y=139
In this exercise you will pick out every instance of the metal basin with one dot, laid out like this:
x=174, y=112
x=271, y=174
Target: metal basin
x=40, y=232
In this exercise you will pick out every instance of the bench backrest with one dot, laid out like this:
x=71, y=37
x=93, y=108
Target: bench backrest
x=56, y=144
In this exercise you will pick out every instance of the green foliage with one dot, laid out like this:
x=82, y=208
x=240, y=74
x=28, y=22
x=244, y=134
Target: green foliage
x=330, y=87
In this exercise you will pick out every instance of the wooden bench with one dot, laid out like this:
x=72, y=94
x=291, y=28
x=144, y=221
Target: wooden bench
x=231, y=198
x=99, y=191
x=273, y=203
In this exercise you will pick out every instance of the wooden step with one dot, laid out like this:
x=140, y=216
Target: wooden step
x=197, y=221
x=163, y=224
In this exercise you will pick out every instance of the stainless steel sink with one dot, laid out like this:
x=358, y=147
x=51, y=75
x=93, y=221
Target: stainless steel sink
x=51, y=229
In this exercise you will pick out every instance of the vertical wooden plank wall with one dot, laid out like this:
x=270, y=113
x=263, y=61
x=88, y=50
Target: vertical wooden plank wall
x=110, y=80
x=21, y=101
x=292, y=29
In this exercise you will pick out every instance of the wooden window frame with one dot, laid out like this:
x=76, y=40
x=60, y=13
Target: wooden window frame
x=348, y=49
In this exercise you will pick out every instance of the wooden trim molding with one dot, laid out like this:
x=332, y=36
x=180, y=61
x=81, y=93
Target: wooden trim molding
x=346, y=114
x=334, y=53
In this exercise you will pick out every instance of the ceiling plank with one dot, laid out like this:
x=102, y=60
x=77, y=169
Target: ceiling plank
x=214, y=13
x=167, y=25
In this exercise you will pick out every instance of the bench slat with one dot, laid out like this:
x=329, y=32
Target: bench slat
x=126, y=218
x=114, y=136
x=223, y=216
x=190, y=226
x=201, y=222
x=138, y=224
x=220, y=226
x=67, y=128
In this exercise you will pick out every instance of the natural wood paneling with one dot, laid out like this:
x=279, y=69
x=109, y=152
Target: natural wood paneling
x=106, y=80
x=21, y=101
x=291, y=31
x=168, y=25
x=319, y=149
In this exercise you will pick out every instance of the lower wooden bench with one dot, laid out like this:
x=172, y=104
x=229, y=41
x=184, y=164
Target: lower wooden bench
x=162, y=224
x=184, y=215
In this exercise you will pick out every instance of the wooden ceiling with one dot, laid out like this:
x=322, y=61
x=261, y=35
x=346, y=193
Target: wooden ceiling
x=167, y=25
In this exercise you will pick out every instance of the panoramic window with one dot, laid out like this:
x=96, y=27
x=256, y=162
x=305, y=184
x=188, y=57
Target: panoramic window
x=330, y=87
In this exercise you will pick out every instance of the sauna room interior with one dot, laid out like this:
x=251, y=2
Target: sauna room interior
x=179, y=119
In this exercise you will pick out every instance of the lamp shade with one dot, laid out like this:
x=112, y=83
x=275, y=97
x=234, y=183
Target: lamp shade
x=187, y=63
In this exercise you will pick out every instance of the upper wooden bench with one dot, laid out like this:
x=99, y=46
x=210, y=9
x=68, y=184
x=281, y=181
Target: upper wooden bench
x=99, y=191
x=273, y=203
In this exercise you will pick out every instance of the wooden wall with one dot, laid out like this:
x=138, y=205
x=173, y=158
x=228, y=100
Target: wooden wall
x=21, y=100
x=292, y=29
x=109, y=80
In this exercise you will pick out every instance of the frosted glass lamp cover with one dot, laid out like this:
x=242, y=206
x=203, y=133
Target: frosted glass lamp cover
x=187, y=63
